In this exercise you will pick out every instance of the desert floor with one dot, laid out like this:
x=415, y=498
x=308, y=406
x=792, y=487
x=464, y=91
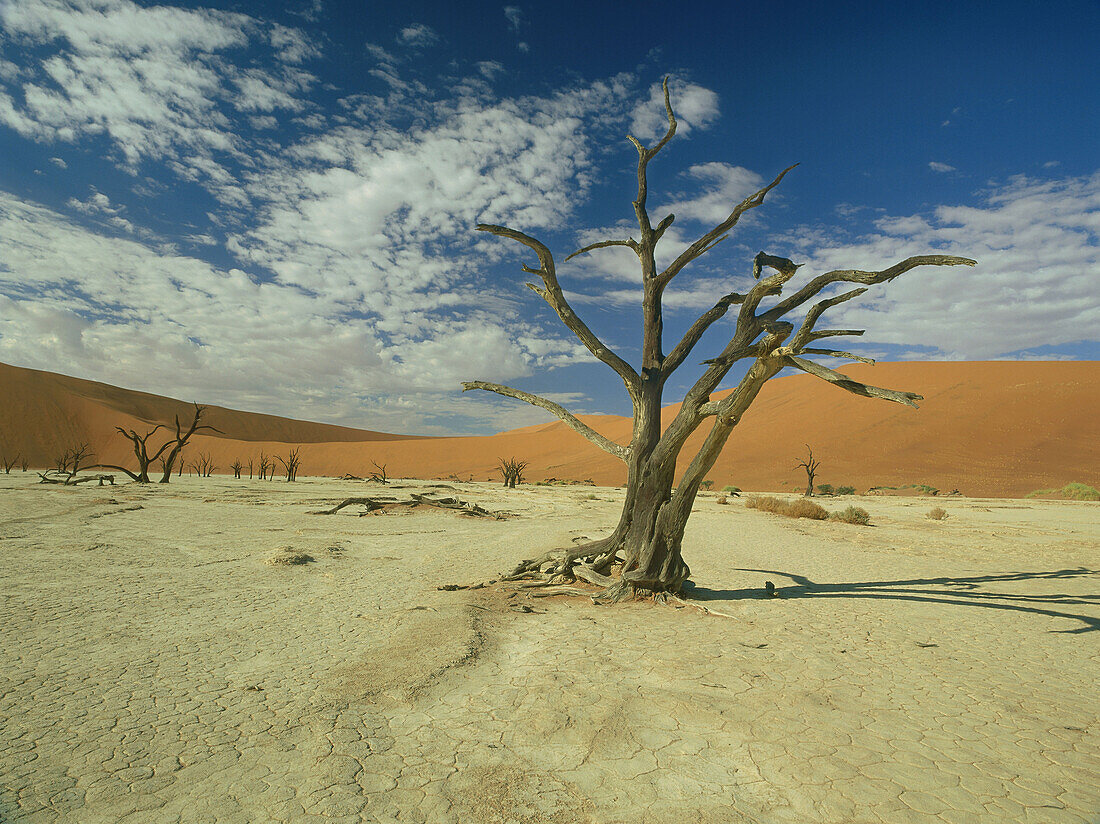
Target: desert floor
x=153, y=667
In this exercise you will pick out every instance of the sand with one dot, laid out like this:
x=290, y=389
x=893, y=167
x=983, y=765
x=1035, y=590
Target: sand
x=990, y=429
x=154, y=668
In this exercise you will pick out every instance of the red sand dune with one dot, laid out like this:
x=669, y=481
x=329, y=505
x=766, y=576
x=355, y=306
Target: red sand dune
x=997, y=429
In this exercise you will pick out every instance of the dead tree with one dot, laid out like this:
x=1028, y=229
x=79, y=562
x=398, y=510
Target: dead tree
x=25, y=464
x=68, y=464
x=379, y=474
x=181, y=439
x=236, y=466
x=203, y=465
x=140, y=452
x=250, y=469
x=291, y=463
x=656, y=508
x=263, y=466
x=810, y=465
x=512, y=470
x=9, y=463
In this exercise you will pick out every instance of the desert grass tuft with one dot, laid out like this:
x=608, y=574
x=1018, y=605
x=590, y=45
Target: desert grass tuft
x=852, y=515
x=288, y=556
x=937, y=513
x=800, y=508
x=1071, y=492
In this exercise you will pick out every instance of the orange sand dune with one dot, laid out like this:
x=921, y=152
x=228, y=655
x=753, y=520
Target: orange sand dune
x=999, y=428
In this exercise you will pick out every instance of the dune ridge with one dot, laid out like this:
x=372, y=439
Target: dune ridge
x=1001, y=428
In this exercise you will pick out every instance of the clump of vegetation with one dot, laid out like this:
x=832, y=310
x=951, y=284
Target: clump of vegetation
x=288, y=556
x=924, y=489
x=852, y=515
x=825, y=489
x=707, y=485
x=736, y=490
x=800, y=508
x=937, y=513
x=722, y=499
x=845, y=490
x=1072, y=492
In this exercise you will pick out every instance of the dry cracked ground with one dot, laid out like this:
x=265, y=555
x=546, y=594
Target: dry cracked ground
x=153, y=667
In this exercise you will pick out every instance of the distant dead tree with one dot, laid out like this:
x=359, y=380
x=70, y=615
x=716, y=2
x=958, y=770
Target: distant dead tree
x=140, y=452
x=203, y=465
x=181, y=439
x=512, y=470
x=291, y=463
x=657, y=503
x=236, y=466
x=25, y=464
x=810, y=465
x=264, y=466
x=69, y=464
x=379, y=474
x=250, y=468
x=8, y=464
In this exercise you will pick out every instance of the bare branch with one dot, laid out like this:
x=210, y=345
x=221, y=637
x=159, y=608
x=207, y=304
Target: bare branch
x=566, y=417
x=644, y=156
x=603, y=244
x=780, y=264
x=815, y=286
x=706, y=242
x=844, y=382
x=692, y=336
x=835, y=333
x=807, y=328
x=554, y=296
x=836, y=354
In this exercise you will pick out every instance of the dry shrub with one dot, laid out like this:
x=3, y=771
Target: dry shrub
x=852, y=515
x=800, y=508
x=287, y=556
x=721, y=499
x=937, y=513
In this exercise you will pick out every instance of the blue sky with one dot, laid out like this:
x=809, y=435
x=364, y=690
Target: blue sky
x=272, y=206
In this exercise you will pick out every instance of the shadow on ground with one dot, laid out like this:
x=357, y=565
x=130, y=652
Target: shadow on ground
x=969, y=591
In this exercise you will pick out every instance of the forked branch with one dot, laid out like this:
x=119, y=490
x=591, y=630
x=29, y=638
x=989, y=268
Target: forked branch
x=566, y=417
x=553, y=295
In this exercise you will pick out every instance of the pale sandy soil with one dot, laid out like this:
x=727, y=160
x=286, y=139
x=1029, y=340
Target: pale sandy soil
x=154, y=669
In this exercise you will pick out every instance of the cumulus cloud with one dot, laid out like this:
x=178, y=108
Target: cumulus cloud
x=936, y=166
x=157, y=83
x=1037, y=243
x=514, y=16
x=118, y=311
x=417, y=35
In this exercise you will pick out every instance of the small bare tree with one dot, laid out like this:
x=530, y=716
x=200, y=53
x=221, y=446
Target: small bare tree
x=203, y=465
x=657, y=504
x=264, y=466
x=810, y=465
x=181, y=439
x=379, y=474
x=236, y=466
x=250, y=469
x=9, y=463
x=512, y=470
x=25, y=464
x=291, y=463
x=68, y=464
x=140, y=452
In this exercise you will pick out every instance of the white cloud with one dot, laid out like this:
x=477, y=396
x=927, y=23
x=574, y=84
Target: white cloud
x=723, y=187
x=936, y=166
x=154, y=81
x=1037, y=243
x=514, y=15
x=59, y=163
x=417, y=35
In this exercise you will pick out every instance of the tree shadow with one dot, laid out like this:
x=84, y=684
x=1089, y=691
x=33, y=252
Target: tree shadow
x=952, y=591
